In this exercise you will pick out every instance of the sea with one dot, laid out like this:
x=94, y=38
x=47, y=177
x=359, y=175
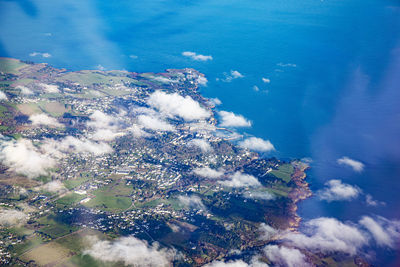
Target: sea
x=320, y=79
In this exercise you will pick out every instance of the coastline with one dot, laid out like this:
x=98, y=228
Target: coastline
x=301, y=192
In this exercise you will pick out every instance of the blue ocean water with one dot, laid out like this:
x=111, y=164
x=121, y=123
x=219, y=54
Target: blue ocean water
x=333, y=67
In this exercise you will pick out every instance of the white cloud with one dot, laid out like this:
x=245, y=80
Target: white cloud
x=307, y=160
x=163, y=79
x=201, y=127
x=207, y=172
x=100, y=67
x=329, y=235
x=283, y=256
x=99, y=119
x=24, y=90
x=354, y=164
x=237, y=263
x=130, y=251
x=197, y=57
x=203, y=144
x=72, y=144
x=23, y=157
x=105, y=135
x=53, y=186
x=137, y=131
x=385, y=232
x=257, y=144
x=231, y=135
x=96, y=93
x=267, y=232
x=136, y=111
x=133, y=56
x=230, y=119
x=35, y=54
x=266, y=80
x=254, y=262
x=44, y=119
x=336, y=190
x=85, y=146
x=255, y=88
x=239, y=179
x=177, y=105
x=105, y=126
x=49, y=88
x=263, y=195
x=3, y=96
x=234, y=74
x=11, y=217
x=201, y=80
x=284, y=65
x=372, y=202
x=192, y=201
x=216, y=101
x=154, y=123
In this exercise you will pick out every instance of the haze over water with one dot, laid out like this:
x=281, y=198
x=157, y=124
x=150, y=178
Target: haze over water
x=333, y=67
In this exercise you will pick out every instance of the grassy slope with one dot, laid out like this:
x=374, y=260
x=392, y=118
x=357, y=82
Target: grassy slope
x=9, y=65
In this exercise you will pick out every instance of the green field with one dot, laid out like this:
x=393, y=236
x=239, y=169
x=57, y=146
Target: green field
x=113, y=197
x=23, y=81
x=113, y=92
x=9, y=65
x=30, y=243
x=280, y=189
x=43, y=178
x=57, y=230
x=149, y=204
x=76, y=242
x=121, y=189
x=3, y=109
x=84, y=78
x=109, y=202
x=88, y=77
x=6, y=115
x=20, y=231
x=284, y=172
x=279, y=192
x=29, y=108
x=90, y=94
x=49, y=254
x=54, y=109
x=70, y=199
x=66, y=250
x=72, y=183
x=84, y=260
x=53, y=228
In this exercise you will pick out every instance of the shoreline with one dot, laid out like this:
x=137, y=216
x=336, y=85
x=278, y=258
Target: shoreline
x=301, y=192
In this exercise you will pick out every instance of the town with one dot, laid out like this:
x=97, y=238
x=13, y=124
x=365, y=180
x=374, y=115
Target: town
x=116, y=163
